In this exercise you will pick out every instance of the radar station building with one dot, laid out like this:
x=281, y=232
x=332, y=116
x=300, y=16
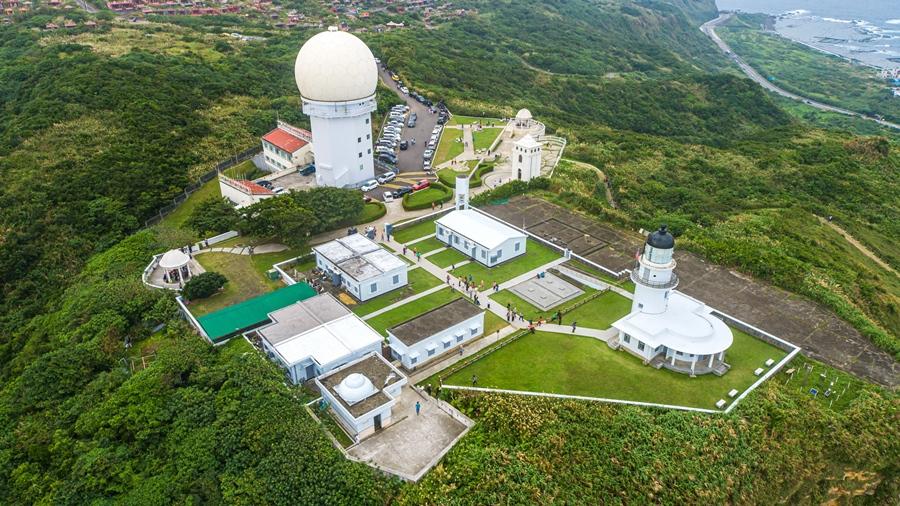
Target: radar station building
x=362, y=267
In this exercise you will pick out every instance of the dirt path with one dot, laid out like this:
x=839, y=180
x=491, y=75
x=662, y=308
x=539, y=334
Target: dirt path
x=858, y=245
x=602, y=176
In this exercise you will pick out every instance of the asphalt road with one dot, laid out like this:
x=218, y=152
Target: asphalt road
x=709, y=28
x=411, y=159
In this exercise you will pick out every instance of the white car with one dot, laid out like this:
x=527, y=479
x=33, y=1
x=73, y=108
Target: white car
x=388, y=197
x=428, y=154
x=387, y=176
x=405, y=90
x=426, y=165
x=278, y=190
x=369, y=185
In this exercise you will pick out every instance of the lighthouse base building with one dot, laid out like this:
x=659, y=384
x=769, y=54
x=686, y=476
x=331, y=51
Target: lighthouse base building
x=667, y=328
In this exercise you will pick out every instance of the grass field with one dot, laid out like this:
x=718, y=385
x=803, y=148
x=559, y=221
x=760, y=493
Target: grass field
x=430, y=244
x=485, y=137
x=575, y=365
x=447, y=258
x=423, y=198
x=246, y=278
x=181, y=213
x=529, y=311
x=371, y=212
x=468, y=120
x=244, y=170
x=416, y=231
x=419, y=281
x=598, y=313
x=412, y=309
x=448, y=147
x=536, y=255
x=493, y=323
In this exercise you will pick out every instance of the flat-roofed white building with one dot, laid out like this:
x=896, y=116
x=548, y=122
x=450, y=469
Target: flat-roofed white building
x=420, y=339
x=362, y=394
x=316, y=335
x=481, y=237
x=361, y=266
x=665, y=327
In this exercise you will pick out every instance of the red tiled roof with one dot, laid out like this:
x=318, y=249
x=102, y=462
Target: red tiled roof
x=284, y=140
x=251, y=187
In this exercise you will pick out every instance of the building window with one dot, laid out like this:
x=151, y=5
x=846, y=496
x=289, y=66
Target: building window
x=396, y=278
x=466, y=244
x=456, y=239
x=446, y=344
x=499, y=253
x=640, y=346
x=440, y=231
x=518, y=245
x=359, y=139
x=431, y=352
x=640, y=305
x=459, y=338
x=367, y=121
x=360, y=166
x=520, y=158
x=473, y=331
x=627, y=338
x=360, y=154
x=483, y=254
x=413, y=360
x=369, y=151
x=368, y=136
x=373, y=287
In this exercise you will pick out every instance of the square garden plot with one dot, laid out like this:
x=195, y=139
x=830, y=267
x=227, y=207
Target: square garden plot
x=546, y=292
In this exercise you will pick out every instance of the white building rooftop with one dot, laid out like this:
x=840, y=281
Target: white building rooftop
x=687, y=326
x=477, y=227
x=320, y=328
x=528, y=142
x=359, y=257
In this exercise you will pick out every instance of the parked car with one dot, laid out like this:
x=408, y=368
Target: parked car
x=395, y=77
x=431, y=144
x=386, y=177
x=428, y=154
x=309, y=169
x=367, y=199
x=278, y=190
x=264, y=183
x=369, y=185
x=388, y=197
x=414, y=116
x=411, y=123
x=426, y=165
x=421, y=185
x=405, y=90
x=404, y=145
x=399, y=192
x=388, y=158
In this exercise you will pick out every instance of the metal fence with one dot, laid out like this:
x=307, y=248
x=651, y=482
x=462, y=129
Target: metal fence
x=203, y=179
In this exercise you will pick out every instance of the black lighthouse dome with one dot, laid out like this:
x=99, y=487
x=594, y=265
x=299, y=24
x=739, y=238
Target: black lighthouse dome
x=661, y=239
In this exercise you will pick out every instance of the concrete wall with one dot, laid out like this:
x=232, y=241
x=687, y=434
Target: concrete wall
x=239, y=198
x=404, y=352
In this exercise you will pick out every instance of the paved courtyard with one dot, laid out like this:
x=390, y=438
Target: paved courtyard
x=547, y=291
x=822, y=335
x=414, y=444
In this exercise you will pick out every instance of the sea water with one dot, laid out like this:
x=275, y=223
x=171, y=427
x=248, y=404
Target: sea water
x=865, y=30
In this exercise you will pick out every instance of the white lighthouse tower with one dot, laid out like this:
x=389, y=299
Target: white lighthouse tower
x=654, y=277
x=336, y=74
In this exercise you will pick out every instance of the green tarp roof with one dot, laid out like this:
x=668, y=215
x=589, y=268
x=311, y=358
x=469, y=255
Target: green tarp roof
x=252, y=312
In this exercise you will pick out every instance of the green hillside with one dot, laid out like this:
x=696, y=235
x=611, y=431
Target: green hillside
x=100, y=129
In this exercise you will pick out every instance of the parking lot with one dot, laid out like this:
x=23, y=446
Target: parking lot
x=410, y=160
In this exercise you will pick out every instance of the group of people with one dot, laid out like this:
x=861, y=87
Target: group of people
x=415, y=252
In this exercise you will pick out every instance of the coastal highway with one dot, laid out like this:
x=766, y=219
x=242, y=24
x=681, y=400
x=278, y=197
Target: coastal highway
x=709, y=28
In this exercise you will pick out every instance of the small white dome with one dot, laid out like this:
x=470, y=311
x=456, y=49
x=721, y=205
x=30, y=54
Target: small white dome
x=173, y=259
x=335, y=66
x=523, y=114
x=355, y=387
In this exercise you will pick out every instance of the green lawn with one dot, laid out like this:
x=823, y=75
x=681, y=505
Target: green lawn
x=419, y=281
x=485, y=137
x=493, y=323
x=181, y=213
x=416, y=231
x=529, y=311
x=468, y=120
x=430, y=244
x=599, y=313
x=246, y=278
x=412, y=309
x=447, y=258
x=575, y=365
x=450, y=146
x=244, y=170
x=536, y=255
x=371, y=212
x=423, y=198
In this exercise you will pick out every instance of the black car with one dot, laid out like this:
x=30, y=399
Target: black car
x=404, y=145
x=264, y=183
x=399, y=192
x=442, y=120
x=309, y=169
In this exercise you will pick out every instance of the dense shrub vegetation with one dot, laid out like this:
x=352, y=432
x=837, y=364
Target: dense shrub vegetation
x=99, y=130
x=203, y=285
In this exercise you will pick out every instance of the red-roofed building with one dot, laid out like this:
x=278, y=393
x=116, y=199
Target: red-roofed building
x=287, y=147
x=242, y=192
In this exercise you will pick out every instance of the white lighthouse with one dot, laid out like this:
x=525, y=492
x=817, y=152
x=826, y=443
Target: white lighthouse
x=336, y=74
x=654, y=275
x=667, y=328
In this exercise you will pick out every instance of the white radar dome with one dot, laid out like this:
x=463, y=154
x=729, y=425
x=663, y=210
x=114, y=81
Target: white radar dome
x=335, y=66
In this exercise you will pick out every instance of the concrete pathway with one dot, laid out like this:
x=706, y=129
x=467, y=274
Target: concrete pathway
x=432, y=252
x=244, y=250
x=530, y=274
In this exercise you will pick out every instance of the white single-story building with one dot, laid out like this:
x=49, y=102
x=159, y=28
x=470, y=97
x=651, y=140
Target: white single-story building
x=287, y=147
x=242, y=192
x=316, y=335
x=362, y=393
x=480, y=237
x=361, y=266
x=420, y=339
x=666, y=328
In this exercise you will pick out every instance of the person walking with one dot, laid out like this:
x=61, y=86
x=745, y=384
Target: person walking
x=418, y=407
x=448, y=279
x=573, y=326
x=432, y=205
x=461, y=351
x=474, y=380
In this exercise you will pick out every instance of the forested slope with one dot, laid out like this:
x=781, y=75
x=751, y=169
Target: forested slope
x=97, y=130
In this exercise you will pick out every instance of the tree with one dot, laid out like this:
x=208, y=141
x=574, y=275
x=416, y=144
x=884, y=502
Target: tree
x=203, y=285
x=279, y=217
x=331, y=206
x=213, y=215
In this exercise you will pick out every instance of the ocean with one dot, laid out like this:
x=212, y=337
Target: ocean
x=864, y=30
